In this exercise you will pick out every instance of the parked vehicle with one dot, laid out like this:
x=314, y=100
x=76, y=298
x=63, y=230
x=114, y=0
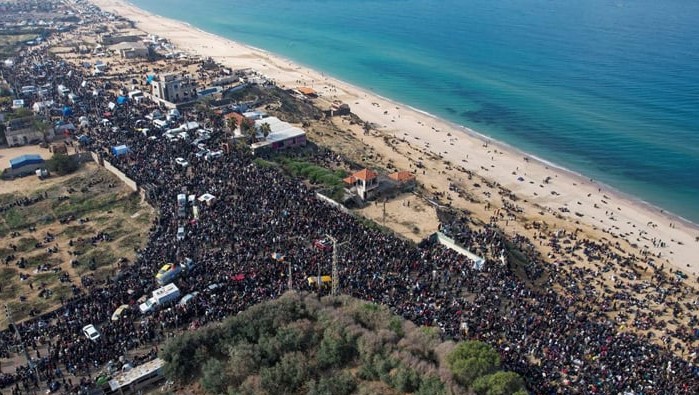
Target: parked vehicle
x=161, y=297
x=91, y=332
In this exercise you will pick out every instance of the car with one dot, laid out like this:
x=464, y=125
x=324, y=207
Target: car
x=185, y=299
x=119, y=312
x=147, y=306
x=182, y=162
x=213, y=155
x=180, y=233
x=323, y=244
x=91, y=332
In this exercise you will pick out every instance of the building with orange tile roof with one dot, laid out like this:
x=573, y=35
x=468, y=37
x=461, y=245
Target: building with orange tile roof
x=364, y=182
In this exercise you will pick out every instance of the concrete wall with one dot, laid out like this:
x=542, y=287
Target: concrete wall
x=451, y=244
x=129, y=182
x=332, y=203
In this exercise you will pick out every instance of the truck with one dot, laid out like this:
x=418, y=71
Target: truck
x=161, y=297
x=181, y=205
x=171, y=271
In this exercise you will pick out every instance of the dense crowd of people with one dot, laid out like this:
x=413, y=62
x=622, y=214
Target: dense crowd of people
x=541, y=334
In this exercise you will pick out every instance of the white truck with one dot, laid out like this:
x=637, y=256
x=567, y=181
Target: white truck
x=161, y=297
x=181, y=205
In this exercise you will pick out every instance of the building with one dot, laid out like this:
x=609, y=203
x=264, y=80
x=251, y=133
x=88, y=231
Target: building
x=364, y=182
x=405, y=180
x=279, y=135
x=111, y=39
x=131, y=50
x=21, y=131
x=307, y=92
x=174, y=88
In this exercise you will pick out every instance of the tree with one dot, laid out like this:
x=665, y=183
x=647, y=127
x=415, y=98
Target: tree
x=287, y=375
x=3, y=139
x=42, y=127
x=248, y=129
x=232, y=124
x=62, y=164
x=472, y=359
x=499, y=383
x=213, y=379
x=265, y=129
x=335, y=384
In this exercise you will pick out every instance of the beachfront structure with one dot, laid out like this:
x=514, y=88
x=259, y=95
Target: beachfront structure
x=280, y=135
x=174, y=88
x=131, y=50
x=405, y=180
x=364, y=183
x=111, y=39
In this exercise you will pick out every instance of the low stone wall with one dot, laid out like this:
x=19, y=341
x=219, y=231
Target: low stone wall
x=333, y=203
x=451, y=244
x=129, y=182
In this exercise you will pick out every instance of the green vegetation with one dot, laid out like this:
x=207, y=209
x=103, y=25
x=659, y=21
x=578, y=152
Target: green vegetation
x=10, y=42
x=62, y=164
x=298, y=344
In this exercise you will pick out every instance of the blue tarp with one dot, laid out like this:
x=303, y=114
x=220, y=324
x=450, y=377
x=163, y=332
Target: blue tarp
x=83, y=139
x=122, y=99
x=24, y=160
x=120, y=150
x=67, y=111
x=149, y=79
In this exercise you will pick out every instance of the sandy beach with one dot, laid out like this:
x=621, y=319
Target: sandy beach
x=449, y=155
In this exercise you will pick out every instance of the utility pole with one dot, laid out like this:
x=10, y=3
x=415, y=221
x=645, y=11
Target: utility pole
x=11, y=322
x=335, y=272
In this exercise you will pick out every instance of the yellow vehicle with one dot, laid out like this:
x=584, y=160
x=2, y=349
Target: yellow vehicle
x=325, y=280
x=119, y=311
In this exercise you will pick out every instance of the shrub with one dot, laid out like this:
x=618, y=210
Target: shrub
x=335, y=384
x=472, y=359
x=500, y=383
x=406, y=380
x=431, y=386
x=286, y=376
x=213, y=379
x=62, y=164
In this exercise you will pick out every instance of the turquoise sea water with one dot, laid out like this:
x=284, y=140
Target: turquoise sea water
x=609, y=89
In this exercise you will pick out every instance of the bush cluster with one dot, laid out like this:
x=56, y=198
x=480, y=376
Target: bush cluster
x=336, y=346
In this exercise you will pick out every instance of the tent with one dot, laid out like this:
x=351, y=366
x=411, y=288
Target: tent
x=84, y=139
x=67, y=111
x=120, y=150
x=122, y=99
x=149, y=79
x=24, y=160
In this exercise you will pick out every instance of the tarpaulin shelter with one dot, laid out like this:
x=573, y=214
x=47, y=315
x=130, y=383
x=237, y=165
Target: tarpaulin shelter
x=24, y=160
x=120, y=150
x=149, y=79
x=122, y=99
x=67, y=111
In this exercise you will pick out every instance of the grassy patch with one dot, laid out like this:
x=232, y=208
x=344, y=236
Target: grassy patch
x=43, y=258
x=15, y=218
x=26, y=244
x=7, y=274
x=74, y=230
x=46, y=277
x=102, y=257
x=131, y=241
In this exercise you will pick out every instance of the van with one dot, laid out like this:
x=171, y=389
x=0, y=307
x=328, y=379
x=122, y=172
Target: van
x=180, y=233
x=181, y=205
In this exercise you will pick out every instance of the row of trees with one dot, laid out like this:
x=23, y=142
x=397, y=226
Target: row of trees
x=299, y=345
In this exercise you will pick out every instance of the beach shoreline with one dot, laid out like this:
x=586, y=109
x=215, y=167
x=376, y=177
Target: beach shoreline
x=451, y=143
